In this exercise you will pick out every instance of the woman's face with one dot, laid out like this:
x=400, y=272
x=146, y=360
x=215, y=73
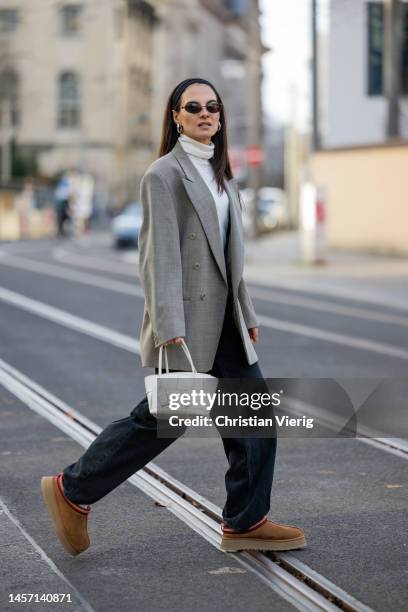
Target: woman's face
x=201, y=93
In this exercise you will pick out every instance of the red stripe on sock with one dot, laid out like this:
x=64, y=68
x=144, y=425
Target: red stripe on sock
x=226, y=529
x=58, y=479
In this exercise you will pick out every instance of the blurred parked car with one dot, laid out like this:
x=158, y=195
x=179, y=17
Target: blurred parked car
x=272, y=209
x=126, y=226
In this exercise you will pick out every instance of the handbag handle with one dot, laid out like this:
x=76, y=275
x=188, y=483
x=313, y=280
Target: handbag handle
x=165, y=358
x=186, y=351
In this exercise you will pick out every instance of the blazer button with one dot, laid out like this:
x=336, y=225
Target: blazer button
x=202, y=296
x=196, y=266
x=193, y=236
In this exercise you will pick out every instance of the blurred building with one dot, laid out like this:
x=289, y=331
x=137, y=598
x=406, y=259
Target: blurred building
x=80, y=78
x=361, y=169
x=88, y=81
x=209, y=39
x=354, y=70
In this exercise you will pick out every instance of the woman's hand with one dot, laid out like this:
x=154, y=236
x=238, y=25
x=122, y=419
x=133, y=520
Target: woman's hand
x=177, y=340
x=254, y=334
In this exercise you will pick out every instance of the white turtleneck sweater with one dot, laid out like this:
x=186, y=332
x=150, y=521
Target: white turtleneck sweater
x=200, y=154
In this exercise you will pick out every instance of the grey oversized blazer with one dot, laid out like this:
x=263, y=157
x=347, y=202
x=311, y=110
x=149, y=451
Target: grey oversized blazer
x=182, y=265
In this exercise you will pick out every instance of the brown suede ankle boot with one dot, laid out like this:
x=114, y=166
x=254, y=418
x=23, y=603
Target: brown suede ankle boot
x=69, y=520
x=264, y=535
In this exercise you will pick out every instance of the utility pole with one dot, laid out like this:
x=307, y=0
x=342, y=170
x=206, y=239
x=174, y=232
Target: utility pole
x=254, y=131
x=6, y=134
x=315, y=80
x=392, y=63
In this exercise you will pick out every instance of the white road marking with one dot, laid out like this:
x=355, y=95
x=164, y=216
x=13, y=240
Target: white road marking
x=129, y=343
x=44, y=556
x=340, y=309
x=62, y=317
x=73, y=275
x=130, y=258
x=93, y=263
x=131, y=289
x=307, y=286
x=319, y=334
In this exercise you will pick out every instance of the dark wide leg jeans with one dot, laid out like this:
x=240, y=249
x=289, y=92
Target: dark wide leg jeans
x=128, y=444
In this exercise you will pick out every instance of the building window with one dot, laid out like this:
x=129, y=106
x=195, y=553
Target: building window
x=375, y=48
x=70, y=19
x=69, y=103
x=375, y=73
x=8, y=19
x=237, y=7
x=9, y=91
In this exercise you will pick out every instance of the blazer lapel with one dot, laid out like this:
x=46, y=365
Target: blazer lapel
x=203, y=202
x=235, y=253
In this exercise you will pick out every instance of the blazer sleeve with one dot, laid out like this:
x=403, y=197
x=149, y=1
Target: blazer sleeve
x=160, y=268
x=247, y=307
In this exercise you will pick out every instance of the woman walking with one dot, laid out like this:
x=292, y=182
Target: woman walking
x=191, y=251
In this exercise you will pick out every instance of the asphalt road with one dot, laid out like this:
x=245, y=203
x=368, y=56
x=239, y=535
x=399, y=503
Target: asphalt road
x=350, y=497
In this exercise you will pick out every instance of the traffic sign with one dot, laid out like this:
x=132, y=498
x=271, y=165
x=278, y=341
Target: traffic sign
x=255, y=155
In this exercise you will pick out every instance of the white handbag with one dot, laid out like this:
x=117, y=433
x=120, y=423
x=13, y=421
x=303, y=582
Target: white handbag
x=164, y=391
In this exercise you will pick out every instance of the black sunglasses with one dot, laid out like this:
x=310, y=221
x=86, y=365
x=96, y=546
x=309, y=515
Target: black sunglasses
x=195, y=107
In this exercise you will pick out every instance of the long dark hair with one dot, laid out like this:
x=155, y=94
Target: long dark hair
x=220, y=161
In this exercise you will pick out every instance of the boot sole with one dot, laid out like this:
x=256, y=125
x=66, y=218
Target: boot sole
x=49, y=496
x=230, y=545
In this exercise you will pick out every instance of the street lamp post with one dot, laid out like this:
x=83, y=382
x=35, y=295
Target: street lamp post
x=315, y=81
x=6, y=135
x=254, y=132
x=393, y=38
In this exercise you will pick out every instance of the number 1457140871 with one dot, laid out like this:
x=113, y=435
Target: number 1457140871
x=37, y=597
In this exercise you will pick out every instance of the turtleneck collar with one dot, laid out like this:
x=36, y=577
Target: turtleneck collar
x=198, y=149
